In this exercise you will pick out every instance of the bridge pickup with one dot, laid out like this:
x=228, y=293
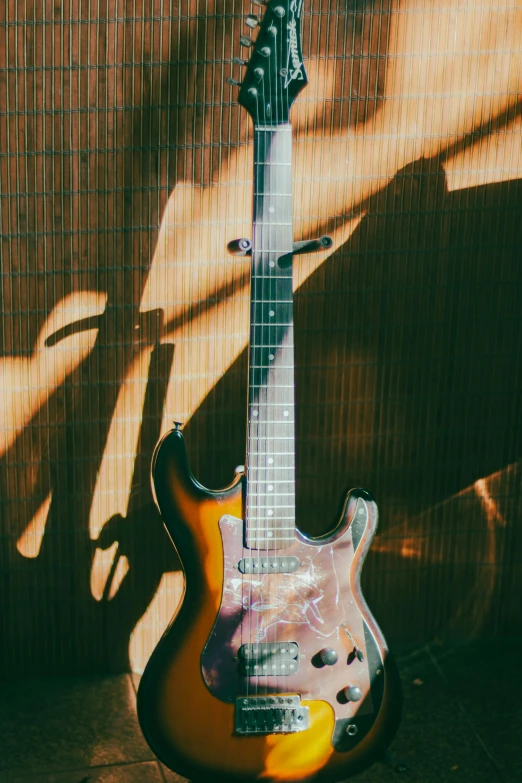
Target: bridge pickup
x=270, y=715
x=269, y=659
x=268, y=565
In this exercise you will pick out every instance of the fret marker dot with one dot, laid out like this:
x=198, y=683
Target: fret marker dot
x=270, y=512
x=285, y=413
x=270, y=461
x=269, y=534
x=271, y=356
x=271, y=209
x=271, y=263
x=271, y=313
x=255, y=413
x=270, y=487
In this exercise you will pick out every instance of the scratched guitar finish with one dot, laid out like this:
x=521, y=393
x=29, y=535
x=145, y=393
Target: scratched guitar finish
x=274, y=668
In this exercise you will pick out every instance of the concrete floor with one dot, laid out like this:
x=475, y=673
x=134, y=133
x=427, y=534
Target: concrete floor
x=462, y=722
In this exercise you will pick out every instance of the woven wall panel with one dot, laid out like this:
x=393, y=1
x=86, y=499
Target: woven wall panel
x=125, y=167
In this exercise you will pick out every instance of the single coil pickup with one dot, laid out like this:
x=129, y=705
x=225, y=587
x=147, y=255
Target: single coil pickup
x=270, y=715
x=274, y=668
x=268, y=565
x=264, y=652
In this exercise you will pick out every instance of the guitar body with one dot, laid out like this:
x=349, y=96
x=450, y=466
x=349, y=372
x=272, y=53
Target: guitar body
x=189, y=694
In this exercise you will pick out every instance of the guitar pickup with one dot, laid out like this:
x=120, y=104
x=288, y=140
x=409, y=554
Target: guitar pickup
x=268, y=565
x=269, y=659
x=270, y=715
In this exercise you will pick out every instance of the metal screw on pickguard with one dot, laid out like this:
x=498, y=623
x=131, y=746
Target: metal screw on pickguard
x=352, y=730
x=283, y=72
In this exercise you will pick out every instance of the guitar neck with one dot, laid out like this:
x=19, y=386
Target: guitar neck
x=270, y=517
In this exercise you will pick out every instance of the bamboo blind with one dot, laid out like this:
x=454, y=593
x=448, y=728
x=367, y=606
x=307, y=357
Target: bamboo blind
x=125, y=167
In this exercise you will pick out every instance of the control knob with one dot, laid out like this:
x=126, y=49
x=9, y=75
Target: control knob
x=328, y=656
x=353, y=693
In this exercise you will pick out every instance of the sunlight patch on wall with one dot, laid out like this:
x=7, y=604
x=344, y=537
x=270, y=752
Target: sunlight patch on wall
x=30, y=541
x=108, y=572
x=28, y=383
x=113, y=483
x=153, y=623
x=495, y=157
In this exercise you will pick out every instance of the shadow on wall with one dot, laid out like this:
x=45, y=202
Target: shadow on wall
x=408, y=373
x=408, y=379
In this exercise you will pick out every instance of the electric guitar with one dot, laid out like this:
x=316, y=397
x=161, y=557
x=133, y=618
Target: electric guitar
x=273, y=668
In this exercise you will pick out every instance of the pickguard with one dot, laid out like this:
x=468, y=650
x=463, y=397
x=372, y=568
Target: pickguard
x=314, y=606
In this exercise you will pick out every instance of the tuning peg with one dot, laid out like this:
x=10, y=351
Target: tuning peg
x=259, y=2
x=233, y=82
x=252, y=21
x=259, y=73
x=239, y=61
x=240, y=247
x=246, y=41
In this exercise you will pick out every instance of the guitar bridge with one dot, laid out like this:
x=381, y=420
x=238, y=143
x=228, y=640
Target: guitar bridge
x=270, y=715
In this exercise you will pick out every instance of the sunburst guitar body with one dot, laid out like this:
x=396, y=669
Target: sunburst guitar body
x=273, y=668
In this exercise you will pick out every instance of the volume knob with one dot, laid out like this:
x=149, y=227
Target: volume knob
x=353, y=693
x=328, y=656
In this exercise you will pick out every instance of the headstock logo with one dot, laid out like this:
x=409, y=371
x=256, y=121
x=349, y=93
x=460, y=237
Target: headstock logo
x=294, y=70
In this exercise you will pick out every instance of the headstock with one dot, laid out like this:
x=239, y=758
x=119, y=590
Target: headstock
x=275, y=72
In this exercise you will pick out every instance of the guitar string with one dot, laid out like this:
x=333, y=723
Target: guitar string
x=259, y=161
x=280, y=138
x=290, y=232
x=255, y=393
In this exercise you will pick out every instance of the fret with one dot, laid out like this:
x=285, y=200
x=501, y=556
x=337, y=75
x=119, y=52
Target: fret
x=271, y=481
x=259, y=468
x=271, y=223
x=270, y=535
x=270, y=454
x=270, y=422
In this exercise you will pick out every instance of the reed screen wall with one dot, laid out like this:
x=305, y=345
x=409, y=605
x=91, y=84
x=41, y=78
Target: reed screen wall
x=125, y=167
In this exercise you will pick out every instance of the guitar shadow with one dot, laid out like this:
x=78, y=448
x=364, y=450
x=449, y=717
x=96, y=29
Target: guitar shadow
x=407, y=373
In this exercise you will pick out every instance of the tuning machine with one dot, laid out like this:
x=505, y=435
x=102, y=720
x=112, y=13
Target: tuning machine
x=233, y=82
x=240, y=247
x=252, y=21
x=246, y=41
